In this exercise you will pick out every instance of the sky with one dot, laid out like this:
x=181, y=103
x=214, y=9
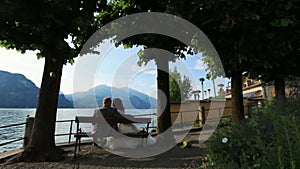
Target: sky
x=115, y=67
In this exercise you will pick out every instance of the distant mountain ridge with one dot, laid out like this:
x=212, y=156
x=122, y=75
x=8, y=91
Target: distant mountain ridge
x=16, y=91
x=132, y=99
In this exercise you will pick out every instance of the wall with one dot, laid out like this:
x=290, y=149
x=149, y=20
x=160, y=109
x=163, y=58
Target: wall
x=191, y=111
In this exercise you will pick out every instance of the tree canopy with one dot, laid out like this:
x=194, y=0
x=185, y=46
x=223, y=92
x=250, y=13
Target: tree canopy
x=45, y=26
x=260, y=37
x=250, y=36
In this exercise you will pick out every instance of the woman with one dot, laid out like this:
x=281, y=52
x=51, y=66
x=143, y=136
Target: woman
x=126, y=142
x=124, y=128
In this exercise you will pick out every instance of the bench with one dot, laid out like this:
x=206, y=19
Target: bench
x=110, y=120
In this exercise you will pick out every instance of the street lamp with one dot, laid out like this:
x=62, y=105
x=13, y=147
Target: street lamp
x=202, y=80
x=208, y=93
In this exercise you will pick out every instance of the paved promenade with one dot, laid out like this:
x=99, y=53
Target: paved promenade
x=92, y=157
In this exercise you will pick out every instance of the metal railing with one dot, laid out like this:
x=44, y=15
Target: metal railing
x=70, y=130
x=201, y=120
x=15, y=139
x=70, y=133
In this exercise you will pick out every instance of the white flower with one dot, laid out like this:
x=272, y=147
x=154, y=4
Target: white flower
x=224, y=140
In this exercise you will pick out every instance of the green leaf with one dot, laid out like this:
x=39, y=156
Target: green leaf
x=17, y=24
x=281, y=22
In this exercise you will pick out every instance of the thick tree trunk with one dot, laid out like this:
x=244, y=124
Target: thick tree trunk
x=279, y=84
x=237, y=97
x=42, y=142
x=163, y=100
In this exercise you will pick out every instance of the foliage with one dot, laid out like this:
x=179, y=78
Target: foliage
x=293, y=83
x=44, y=26
x=252, y=35
x=47, y=26
x=180, y=88
x=270, y=139
x=225, y=121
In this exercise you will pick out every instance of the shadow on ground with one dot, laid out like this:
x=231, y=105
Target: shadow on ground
x=93, y=157
x=177, y=157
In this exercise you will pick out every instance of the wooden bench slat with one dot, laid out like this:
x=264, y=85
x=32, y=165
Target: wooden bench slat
x=83, y=134
x=86, y=119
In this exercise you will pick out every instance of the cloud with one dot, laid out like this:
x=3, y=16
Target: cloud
x=141, y=84
x=150, y=72
x=199, y=65
x=135, y=68
x=152, y=93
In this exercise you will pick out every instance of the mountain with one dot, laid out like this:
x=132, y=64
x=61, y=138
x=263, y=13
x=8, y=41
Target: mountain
x=16, y=91
x=132, y=99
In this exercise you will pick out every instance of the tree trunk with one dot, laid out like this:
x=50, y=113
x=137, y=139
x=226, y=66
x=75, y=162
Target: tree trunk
x=237, y=97
x=163, y=100
x=279, y=84
x=42, y=142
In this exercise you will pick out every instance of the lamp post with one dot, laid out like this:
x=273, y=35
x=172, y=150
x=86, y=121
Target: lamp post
x=202, y=80
x=208, y=93
x=214, y=87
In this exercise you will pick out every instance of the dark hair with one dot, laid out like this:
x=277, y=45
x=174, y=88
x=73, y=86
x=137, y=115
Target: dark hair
x=107, y=101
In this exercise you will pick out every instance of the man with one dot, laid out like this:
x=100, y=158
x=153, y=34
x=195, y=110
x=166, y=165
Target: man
x=102, y=129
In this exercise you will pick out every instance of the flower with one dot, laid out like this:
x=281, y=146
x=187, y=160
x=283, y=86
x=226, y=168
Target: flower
x=186, y=144
x=224, y=140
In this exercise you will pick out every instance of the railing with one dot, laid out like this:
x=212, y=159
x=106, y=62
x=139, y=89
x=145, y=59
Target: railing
x=70, y=130
x=70, y=133
x=201, y=120
x=15, y=139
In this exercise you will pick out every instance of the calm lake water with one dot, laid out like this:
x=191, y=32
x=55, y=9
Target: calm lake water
x=16, y=116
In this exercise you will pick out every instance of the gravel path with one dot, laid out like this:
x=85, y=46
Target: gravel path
x=92, y=157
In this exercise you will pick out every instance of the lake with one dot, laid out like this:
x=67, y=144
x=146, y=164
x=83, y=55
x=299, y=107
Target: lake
x=16, y=116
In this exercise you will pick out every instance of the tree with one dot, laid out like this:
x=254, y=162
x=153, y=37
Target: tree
x=163, y=82
x=180, y=88
x=280, y=36
x=44, y=26
x=293, y=83
x=161, y=42
x=254, y=36
x=175, y=80
x=170, y=50
x=248, y=35
x=215, y=18
x=186, y=88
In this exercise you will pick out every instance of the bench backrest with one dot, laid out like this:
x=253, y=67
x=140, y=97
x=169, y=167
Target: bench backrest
x=111, y=120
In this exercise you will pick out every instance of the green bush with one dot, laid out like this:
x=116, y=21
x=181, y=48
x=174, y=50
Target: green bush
x=225, y=121
x=270, y=139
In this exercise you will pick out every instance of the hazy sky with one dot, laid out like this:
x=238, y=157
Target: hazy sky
x=115, y=67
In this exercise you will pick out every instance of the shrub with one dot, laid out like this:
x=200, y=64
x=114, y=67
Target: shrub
x=269, y=139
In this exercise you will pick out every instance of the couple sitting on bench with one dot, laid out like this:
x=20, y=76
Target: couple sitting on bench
x=109, y=136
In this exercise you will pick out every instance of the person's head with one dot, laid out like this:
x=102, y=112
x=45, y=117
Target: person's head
x=118, y=104
x=107, y=102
